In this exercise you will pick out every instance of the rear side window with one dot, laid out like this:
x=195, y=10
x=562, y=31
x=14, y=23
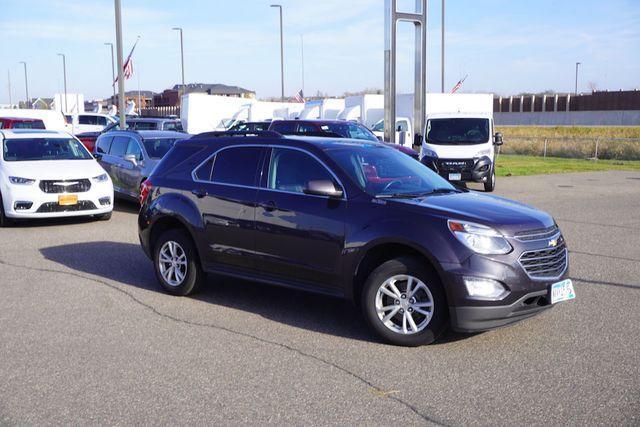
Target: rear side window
x=285, y=128
x=175, y=126
x=119, y=146
x=88, y=120
x=104, y=145
x=238, y=166
x=33, y=124
x=203, y=173
x=143, y=126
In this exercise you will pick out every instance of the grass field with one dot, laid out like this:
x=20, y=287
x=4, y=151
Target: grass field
x=570, y=131
x=514, y=165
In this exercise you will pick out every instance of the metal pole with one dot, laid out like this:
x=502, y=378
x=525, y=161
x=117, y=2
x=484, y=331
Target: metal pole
x=181, y=53
x=64, y=74
x=281, y=54
x=9, y=80
x=442, y=51
x=119, y=52
x=302, y=56
x=113, y=74
x=545, y=148
x=26, y=84
x=577, y=64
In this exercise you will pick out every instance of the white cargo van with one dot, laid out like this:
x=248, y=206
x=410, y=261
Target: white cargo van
x=364, y=109
x=459, y=141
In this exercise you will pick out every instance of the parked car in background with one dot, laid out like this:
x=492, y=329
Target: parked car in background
x=53, y=120
x=250, y=127
x=20, y=123
x=46, y=174
x=90, y=122
x=130, y=156
x=352, y=219
x=133, y=123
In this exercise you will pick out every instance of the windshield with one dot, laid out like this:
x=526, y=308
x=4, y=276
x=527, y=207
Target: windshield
x=22, y=150
x=457, y=131
x=384, y=172
x=349, y=130
x=157, y=147
x=378, y=127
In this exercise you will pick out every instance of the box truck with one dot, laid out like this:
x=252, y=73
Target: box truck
x=458, y=140
x=203, y=113
x=364, y=109
x=404, y=121
x=260, y=111
x=325, y=109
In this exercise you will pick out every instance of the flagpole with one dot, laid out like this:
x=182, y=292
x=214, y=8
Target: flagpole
x=139, y=102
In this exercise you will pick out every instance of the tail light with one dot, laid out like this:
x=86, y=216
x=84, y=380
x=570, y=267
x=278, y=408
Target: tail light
x=145, y=190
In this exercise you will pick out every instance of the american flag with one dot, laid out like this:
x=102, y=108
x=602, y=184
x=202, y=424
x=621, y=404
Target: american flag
x=299, y=96
x=127, y=68
x=459, y=84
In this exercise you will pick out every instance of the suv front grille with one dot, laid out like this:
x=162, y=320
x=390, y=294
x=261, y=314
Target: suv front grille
x=538, y=234
x=456, y=165
x=65, y=186
x=545, y=263
x=82, y=205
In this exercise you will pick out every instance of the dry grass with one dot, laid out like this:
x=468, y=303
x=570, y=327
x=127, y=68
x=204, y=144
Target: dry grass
x=570, y=131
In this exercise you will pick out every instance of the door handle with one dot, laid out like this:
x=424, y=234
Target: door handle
x=269, y=206
x=199, y=193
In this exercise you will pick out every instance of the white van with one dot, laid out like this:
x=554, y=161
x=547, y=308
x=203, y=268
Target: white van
x=459, y=141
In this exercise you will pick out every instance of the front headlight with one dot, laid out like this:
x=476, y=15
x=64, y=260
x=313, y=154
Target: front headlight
x=482, y=153
x=479, y=238
x=101, y=178
x=21, y=181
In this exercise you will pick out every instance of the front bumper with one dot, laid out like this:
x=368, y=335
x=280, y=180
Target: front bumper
x=45, y=205
x=476, y=170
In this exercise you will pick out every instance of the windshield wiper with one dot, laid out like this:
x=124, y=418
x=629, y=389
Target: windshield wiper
x=443, y=191
x=402, y=195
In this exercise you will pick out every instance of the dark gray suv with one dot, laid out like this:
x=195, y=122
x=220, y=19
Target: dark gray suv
x=129, y=157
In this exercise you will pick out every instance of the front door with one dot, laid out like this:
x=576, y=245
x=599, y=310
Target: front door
x=131, y=173
x=298, y=236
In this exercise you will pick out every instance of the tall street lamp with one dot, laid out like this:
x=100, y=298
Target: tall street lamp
x=281, y=53
x=113, y=74
x=64, y=75
x=442, y=51
x=26, y=84
x=577, y=65
x=181, y=54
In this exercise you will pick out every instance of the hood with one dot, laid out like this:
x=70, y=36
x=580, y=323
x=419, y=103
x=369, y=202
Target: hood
x=54, y=169
x=507, y=216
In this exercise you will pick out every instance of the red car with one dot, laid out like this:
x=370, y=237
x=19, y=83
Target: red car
x=20, y=123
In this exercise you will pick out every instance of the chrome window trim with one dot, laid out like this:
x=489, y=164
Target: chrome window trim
x=258, y=187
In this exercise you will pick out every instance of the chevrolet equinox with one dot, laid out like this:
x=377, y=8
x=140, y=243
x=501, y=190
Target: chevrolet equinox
x=352, y=219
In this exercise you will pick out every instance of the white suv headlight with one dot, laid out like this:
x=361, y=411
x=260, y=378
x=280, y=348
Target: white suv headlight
x=21, y=181
x=479, y=238
x=101, y=178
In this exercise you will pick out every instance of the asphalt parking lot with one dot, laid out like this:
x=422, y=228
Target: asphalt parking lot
x=86, y=336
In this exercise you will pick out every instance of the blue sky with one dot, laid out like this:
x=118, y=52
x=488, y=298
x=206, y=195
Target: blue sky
x=506, y=46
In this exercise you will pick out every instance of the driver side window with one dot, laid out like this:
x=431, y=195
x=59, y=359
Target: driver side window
x=291, y=171
x=134, y=149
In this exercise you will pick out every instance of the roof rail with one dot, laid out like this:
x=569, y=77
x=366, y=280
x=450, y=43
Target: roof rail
x=221, y=134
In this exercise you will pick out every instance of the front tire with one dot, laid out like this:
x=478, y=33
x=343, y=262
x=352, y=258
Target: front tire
x=176, y=263
x=404, y=303
x=490, y=185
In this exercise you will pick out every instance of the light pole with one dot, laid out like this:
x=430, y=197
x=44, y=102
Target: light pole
x=281, y=54
x=64, y=75
x=181, y=54
x=118, y=11
x=113, y=74
x=9, y=82
x=442, y=50
x=26, y=84
x=577, y=65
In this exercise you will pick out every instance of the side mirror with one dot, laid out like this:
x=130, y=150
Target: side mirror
x=131, y=158
x=399, y=129
x=379, y=138
x=323, y=187
x=497, y=139
x=417, y=140
x=97, y=156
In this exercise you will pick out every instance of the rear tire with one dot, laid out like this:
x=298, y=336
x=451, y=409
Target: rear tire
x=490, y=185
x=425, y=303
x=176, y=263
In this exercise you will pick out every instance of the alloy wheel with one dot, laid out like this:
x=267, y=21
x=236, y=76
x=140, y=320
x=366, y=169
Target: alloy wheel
x=404, y=304
x=172, y=261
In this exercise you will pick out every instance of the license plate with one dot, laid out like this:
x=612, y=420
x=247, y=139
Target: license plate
x=68, y=200
x=455, y=176
x=562, y=291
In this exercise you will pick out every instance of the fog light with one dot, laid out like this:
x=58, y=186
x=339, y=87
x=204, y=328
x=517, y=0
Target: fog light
x=485, y=289
x=22, y=206
x=105, y=201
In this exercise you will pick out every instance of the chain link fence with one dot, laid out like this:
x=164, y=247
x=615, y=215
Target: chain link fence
x=573, y=147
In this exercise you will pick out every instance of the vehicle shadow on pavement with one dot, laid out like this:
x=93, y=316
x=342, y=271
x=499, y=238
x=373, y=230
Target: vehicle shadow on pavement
x=126, y=263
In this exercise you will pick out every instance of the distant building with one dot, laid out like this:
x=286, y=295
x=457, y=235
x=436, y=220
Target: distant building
x=171, y=97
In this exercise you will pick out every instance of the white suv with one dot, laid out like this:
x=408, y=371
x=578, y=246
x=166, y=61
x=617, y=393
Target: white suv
x=45, y=174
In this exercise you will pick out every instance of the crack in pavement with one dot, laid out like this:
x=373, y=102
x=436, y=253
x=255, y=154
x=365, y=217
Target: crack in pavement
x=376, y=389
x=604, y=256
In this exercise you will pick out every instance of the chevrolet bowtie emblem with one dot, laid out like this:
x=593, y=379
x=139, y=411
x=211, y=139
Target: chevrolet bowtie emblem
x=553, y=243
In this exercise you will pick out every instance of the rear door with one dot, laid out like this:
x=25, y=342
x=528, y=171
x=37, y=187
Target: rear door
x=226, y=190
x=298, y=236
